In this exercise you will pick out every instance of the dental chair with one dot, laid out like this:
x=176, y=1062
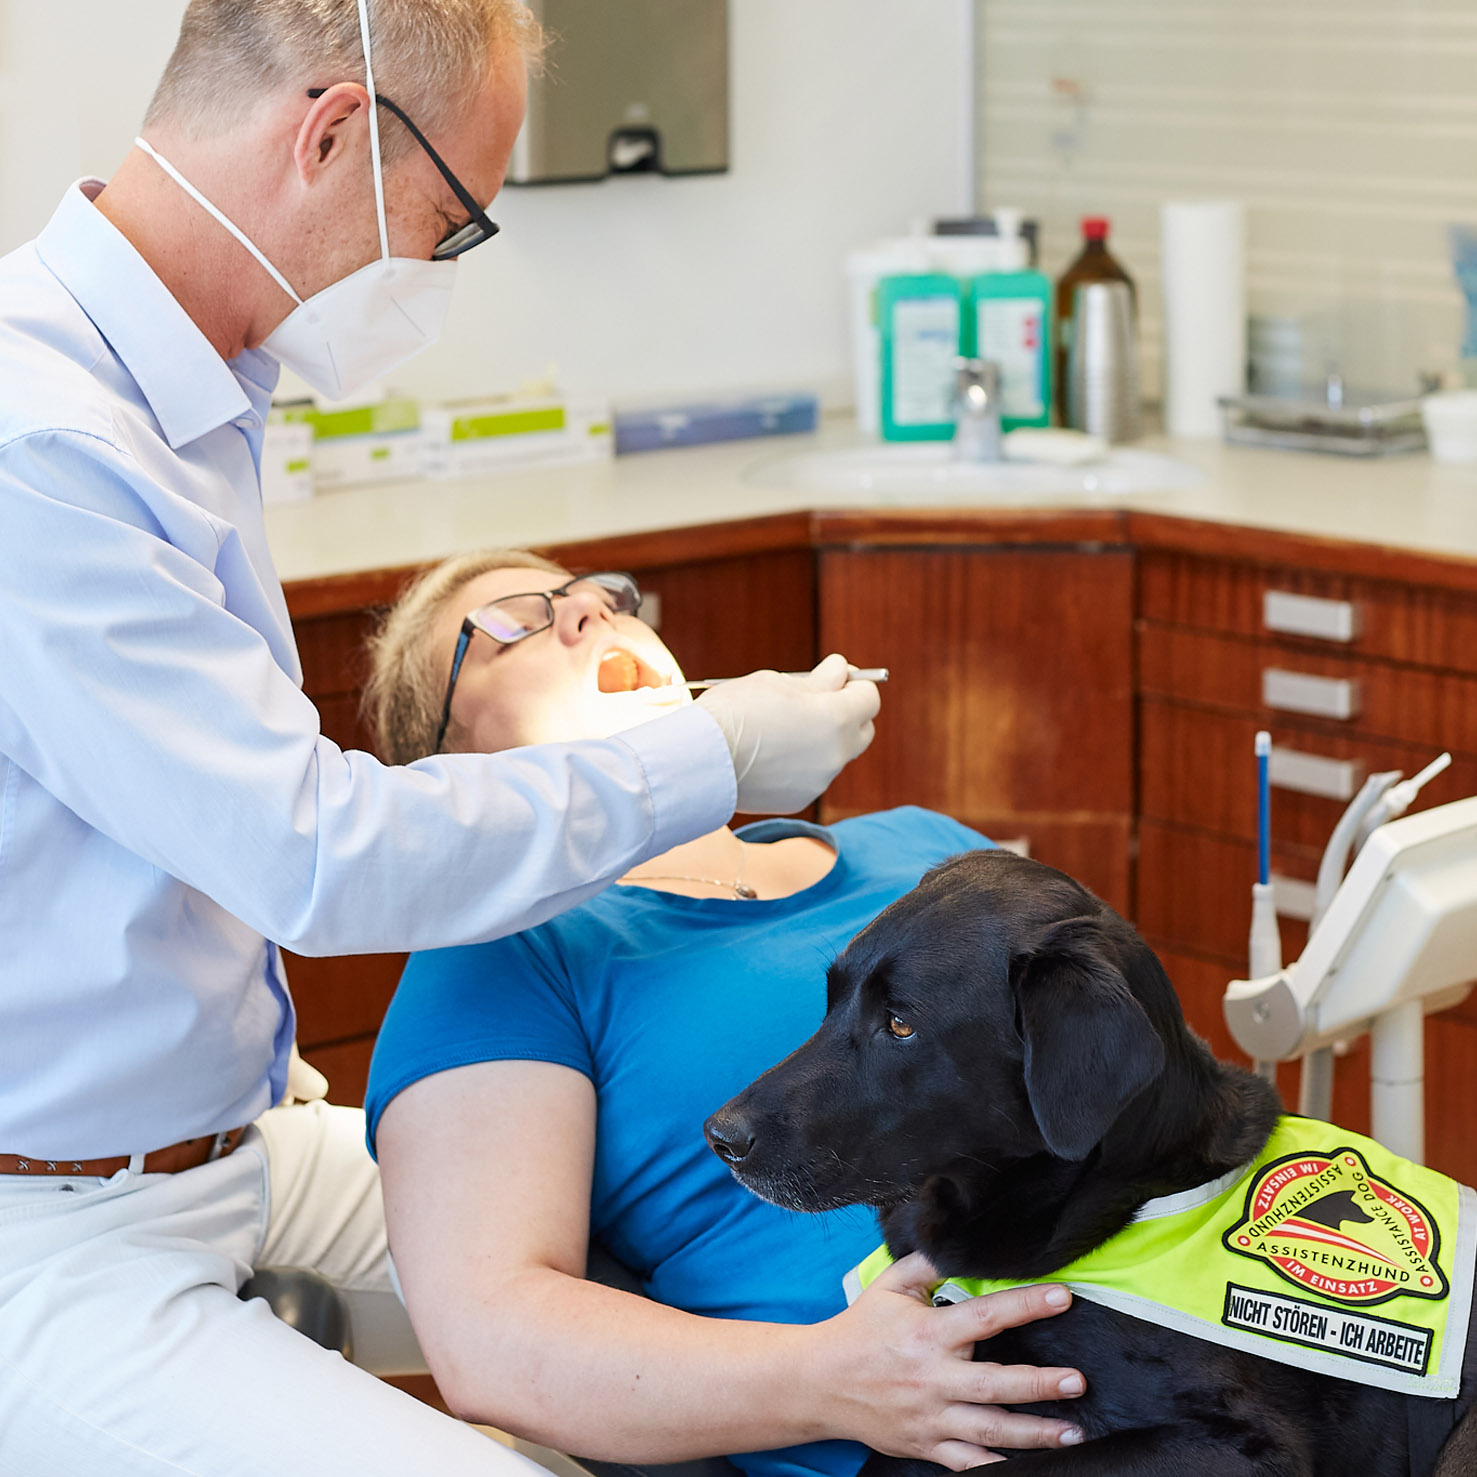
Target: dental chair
x=305, y=1301
x=311, y=1304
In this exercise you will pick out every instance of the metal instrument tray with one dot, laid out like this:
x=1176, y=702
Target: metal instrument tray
x=1351, y=427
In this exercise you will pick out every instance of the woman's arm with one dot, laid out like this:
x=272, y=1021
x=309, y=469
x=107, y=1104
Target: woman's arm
x=487, y=1171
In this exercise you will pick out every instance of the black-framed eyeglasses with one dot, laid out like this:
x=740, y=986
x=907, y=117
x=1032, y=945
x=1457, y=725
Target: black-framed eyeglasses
x=478, y=228
x=513, y=617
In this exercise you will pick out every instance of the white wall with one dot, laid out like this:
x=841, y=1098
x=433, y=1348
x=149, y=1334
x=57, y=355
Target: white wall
x=1349, y=128
x=850, y=118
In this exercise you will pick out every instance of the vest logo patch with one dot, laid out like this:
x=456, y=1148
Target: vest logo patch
x=1317, y=1326
x=1324, y=1222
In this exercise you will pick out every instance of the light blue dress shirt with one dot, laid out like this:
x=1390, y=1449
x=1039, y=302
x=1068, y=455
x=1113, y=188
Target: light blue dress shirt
x=169, y=810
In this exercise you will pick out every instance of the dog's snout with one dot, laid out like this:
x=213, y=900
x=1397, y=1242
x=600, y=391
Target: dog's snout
x=728, y=1136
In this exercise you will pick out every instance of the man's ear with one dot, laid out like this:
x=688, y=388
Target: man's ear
x=323, y=131
x=1090, y=1047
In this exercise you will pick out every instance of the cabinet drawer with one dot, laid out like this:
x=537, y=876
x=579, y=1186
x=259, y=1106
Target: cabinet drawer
x=346, y=1065
x=1425, y=627
x=1195, y=890
x=331, y=648
x=341, y=996
x=1097, y=851
x=339, y=719
x=1011, y=691
x=1196, y=769
x=1200, y=984
x=1268, y=679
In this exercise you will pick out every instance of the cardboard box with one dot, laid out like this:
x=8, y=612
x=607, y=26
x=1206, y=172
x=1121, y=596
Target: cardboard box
x=356, y=444
x=473, y=437
x=287, y=462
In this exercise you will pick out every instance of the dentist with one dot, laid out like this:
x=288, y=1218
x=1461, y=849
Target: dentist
x=170, y=813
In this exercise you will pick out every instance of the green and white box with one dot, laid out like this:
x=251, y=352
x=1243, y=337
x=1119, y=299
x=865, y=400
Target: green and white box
x=287, y=461
x=352, y=444
x=471, y=437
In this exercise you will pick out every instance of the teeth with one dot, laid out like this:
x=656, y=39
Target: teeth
x=619, y=671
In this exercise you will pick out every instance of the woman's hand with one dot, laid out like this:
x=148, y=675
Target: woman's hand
x=901, y=1376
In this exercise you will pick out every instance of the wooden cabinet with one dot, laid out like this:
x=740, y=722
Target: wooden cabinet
x=725, y=617
x=1350, y=676
x=341, y=1001
x=1088, y=683
x=1010, y=700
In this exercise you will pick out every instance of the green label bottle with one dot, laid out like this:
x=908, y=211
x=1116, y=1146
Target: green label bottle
x=921, y=325
x=1010, y=324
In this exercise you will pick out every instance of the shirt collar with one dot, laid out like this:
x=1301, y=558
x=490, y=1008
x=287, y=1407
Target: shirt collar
x=188, y=386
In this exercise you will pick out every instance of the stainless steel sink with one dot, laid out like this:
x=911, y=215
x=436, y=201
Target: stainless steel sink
x=928, y=469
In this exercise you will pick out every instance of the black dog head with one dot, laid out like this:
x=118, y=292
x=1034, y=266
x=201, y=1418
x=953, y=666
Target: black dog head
x=1335, y=1211
x=997, y=1018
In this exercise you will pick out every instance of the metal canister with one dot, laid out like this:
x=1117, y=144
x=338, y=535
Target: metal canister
x=1103, y=363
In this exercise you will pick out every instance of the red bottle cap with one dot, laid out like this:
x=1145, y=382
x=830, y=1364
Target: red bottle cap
x=1095, y=228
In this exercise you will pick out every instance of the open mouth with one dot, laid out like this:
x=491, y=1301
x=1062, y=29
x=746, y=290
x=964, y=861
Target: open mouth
x=623, y=671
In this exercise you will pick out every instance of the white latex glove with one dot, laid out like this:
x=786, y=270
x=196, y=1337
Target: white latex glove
x=790, y=736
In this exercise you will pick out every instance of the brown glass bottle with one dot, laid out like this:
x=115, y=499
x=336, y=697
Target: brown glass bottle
x=1094, y=264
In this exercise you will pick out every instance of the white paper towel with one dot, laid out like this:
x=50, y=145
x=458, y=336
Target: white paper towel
x=1204, y=276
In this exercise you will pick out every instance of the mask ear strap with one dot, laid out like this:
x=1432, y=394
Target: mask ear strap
x=374, y=132
x=230, y=225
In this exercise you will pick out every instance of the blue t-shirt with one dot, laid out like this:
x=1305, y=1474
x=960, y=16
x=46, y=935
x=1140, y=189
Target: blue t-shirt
x=670, y=1005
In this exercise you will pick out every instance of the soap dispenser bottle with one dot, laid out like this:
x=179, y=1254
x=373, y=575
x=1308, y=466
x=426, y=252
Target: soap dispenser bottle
x=919, y=321
x=1009, y=324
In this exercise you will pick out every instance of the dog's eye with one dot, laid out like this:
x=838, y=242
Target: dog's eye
x=899, y=1028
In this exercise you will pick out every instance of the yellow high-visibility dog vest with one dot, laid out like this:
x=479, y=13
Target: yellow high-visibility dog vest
x=1327, y=1252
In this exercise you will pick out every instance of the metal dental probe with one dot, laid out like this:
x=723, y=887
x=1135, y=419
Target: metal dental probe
x=853, y=674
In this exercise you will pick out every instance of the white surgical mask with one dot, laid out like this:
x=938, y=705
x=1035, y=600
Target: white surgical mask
x=349, y=334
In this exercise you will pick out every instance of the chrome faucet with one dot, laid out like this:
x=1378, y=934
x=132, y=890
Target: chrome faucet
x=977, y=411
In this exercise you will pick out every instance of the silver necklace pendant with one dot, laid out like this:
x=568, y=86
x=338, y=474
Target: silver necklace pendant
x=743, y=890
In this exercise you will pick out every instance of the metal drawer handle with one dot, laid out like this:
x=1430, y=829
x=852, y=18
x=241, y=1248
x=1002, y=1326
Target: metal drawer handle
x=1312, y=774
x=1293, y=898
x=1301, y=692
x=1310, y=615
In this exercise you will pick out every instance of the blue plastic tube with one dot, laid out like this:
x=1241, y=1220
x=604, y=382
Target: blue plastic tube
x=1263, y=809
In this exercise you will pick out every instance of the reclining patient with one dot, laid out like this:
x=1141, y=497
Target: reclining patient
x=530, y=1093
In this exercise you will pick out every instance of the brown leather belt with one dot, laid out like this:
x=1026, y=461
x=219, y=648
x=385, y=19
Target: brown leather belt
x=187, y=1154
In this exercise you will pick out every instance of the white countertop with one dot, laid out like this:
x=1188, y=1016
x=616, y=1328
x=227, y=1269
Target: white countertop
x=1405, y=502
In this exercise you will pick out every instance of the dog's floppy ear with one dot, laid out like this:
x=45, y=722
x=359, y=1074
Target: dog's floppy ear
x=1090, y=1047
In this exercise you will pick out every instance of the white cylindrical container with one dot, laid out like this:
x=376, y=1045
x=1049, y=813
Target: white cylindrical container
x=864, y=269
x=1451, y=425
x=1204, y=275
x=964, y=256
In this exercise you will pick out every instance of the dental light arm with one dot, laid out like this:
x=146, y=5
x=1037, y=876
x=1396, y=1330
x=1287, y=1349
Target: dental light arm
x=1398, y=940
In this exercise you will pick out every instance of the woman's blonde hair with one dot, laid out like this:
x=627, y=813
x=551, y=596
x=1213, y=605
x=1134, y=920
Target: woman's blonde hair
x=430, y=56
x=403, y=697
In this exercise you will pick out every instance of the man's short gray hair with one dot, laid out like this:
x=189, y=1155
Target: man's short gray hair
x=430, y=57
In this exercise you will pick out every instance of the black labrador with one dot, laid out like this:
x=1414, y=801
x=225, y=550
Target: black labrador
x=1004, y=1072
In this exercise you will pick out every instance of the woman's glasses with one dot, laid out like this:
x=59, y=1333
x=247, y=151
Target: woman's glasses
x=513, y=617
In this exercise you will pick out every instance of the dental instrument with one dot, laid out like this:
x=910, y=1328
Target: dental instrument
x=1264, y=947
x=1382, y=798
x=1396, y=941
x=853, y=674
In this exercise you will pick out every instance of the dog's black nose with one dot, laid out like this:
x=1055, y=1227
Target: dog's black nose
x=728, y=1137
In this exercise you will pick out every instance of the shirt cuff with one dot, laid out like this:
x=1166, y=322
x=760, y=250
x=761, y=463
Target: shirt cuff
x=689, y=775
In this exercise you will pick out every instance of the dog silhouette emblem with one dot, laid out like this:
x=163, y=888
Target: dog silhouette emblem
x=1334, y=1211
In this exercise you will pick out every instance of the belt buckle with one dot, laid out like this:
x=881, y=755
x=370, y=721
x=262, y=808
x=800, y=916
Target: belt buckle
x=218, y=1145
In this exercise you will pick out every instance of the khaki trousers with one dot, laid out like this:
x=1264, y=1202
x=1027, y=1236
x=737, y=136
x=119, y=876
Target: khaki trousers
x=125, y=1350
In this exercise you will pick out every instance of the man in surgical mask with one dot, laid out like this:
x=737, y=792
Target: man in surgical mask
x=170, y=813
